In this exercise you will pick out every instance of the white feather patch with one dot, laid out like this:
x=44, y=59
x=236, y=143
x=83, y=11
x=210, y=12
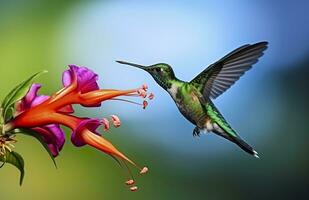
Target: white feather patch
x=173, y=90
x=217, y=128
x=209, y=126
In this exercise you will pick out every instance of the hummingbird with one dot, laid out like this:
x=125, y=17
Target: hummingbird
x=194, y=98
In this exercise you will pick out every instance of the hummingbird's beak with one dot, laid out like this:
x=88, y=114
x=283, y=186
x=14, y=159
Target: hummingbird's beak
x=132, y=64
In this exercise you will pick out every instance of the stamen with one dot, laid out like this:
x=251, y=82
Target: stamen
x=126, y=172
x=116, y=121
x=8, y=148
x=125, y=100
x=145, y=104
x=133, y=188
x=151, y=96
x=6, y=144
x=144, y=170
x=105, y=123
x=132, y=95
x=142, y=92
x=145, y=87
x=130, y=182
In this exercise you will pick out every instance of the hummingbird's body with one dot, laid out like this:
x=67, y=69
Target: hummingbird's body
x=193, y=98
x=186, y=97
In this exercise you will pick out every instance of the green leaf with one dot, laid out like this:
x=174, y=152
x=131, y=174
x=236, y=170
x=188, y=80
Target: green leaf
x=16, y=160
x=36, y=135
x=17, y=94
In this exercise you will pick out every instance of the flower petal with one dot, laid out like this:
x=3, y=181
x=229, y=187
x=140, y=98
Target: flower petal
x=53, y=136
x=38, y=100
x=52, y=133
x=86, y=78
x=32, y=94
x=31, y=99
x=91, y=124
x=26, y=102
x=67, y=78
x=53, y=149
x=58, y=133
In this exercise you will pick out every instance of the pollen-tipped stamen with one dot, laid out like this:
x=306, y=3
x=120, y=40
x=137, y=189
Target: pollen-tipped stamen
x=151, y=96
x=145, y=86
x=128, y=101
x=141, y=92
x=6, y=145
x=116, y=121
x=133, y=188
x=130, y=182
x=127, y=172
x=105, y=124
x=145, y=104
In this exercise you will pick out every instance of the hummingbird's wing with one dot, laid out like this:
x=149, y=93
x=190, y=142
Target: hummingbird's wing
x=221, y=75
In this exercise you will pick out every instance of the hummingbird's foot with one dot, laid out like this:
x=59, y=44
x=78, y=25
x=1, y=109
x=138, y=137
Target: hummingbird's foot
x=196, y=132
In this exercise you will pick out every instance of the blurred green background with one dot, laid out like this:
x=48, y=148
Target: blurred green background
x=268, y=106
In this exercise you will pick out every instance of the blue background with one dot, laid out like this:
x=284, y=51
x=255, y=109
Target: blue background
x=268, y=106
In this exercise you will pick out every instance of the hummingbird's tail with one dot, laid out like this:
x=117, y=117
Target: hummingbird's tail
x=222, y=128
x=245, y=146
x=240, y=142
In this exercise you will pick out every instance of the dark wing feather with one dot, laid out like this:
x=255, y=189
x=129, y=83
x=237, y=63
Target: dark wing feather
x=220, y=76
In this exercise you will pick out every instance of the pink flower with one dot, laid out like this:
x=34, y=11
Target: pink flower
x=44, y=114
x=51, y=133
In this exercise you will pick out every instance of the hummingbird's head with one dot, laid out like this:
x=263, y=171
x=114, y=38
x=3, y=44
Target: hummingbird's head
x=161, y=72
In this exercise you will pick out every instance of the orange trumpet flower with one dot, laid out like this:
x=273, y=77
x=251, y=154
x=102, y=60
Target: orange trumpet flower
x=44, y=114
